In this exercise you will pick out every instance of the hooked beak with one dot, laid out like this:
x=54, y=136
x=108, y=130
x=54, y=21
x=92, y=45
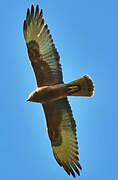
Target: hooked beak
x=28, y=99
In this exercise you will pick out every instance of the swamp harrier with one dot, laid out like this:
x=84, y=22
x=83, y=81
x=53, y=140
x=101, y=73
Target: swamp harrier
x=51, y=91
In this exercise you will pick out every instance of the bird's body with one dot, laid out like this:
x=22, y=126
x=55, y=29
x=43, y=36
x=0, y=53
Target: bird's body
x=51, y=91
x=48, y=94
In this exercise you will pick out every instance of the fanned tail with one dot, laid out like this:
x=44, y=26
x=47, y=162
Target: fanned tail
x=81, y=87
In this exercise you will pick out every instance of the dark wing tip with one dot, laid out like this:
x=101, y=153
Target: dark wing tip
x=78, y=165
x=68, y=169
x=41, y=12
x=72, y=172
x=71, y=167
x=25, y=25
x=75, y=168
x=31, y=14
x=46, y=26
x=37, y=11
x=28, y=13
x=32, y=10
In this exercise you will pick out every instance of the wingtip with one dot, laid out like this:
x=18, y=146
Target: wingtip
x=37, y=7
x=32, y=10
x=24, y=25
x=28, y=13
x=41, y=12
x=37, y=11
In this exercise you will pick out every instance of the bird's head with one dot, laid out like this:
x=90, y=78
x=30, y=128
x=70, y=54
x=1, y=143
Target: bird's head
x=33, y=97
x=39, y=95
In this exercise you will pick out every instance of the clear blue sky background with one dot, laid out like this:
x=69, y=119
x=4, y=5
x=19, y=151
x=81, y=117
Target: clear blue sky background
x=86, y=35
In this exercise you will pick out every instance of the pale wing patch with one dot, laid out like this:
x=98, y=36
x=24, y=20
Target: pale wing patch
x=66, y=154
x=68, y=147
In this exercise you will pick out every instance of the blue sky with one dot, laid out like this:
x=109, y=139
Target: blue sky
x=86, y=36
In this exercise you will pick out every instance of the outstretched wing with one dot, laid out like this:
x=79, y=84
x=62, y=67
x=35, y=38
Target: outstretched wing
x=62, y=132
x=41, y=49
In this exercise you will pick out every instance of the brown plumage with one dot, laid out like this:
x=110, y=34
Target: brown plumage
x=52, y=92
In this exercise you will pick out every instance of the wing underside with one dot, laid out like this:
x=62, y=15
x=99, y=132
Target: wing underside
x=41, y=49
x=62, y=132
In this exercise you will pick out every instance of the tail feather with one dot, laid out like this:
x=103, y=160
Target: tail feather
x=81, y=87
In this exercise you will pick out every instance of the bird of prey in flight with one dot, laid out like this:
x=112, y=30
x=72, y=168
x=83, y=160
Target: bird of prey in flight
x=51, y=91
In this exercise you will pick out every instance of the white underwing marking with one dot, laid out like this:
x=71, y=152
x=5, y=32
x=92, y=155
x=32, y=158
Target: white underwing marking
x=38, y=35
